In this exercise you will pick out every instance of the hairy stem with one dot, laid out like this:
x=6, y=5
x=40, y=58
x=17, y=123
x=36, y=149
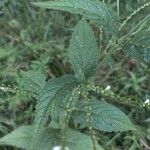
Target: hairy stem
x=133, y=14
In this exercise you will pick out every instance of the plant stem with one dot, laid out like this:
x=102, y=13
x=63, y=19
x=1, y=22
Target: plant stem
x=133, y=14
x=118, y=7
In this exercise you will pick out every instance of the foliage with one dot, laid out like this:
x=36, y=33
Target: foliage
x=72, y=110
x=104, y=116
x=21, y=137
x=83, y=65
x=96, y=11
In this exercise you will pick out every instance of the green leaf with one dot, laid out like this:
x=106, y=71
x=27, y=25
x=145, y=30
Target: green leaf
x=95, y=11
x=83, y=51
x=139, y=42
x=146, y=54
x=47, y=139
x=138, y=52
x=33, y=82
x=71, y=139
x=142, y=39
x=52, y=95
x=104, y=116
x=20, y=138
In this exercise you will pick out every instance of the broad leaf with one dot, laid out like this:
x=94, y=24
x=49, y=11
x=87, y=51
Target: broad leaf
x=20, y=138
x=47, y=139
x=104, y=116
x=33, y=82
x=52, y=95
x=94, y=10
x=139, y=46
x=71, y=139
x=83, y=51
x=138, y=52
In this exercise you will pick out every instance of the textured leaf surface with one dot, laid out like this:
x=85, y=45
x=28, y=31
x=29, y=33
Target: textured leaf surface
x=20, y=138
x=33, y=82
x=139, y=46
x=104, y=116
x=138, y=52
x=83, y=51
x=95, y=10
x=53, y=94
x=71, y=139
x=142, y=39
x=47, y=139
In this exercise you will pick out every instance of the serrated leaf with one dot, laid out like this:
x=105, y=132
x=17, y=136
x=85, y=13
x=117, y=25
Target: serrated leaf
x=71, y=139
x=20, y=138
x=83, y=51
x=58, y=113
x=104, y=117
x=47, y=139
x=138, y=52
x=33, y=82
x=146, y=54
x=52, y=95
x=95, y=10
x=139, y=46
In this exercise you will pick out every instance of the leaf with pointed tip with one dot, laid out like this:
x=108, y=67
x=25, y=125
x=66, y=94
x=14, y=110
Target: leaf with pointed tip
x=47, y=139
x=20, y=138
x=70, y=139
x=52, y=95
x=83, y=51
x=33, y=82
x=104, y=117
x=95, y=11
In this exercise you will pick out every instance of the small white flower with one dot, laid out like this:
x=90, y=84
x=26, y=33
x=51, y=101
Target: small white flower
x=67, y=148
x=107, y=88
x=2, y=88
x=57, y=148
x=147, y=102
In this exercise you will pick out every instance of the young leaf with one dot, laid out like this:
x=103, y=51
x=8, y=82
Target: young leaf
x=53, y=94
x=69, y=139
x=20, y=138
x=104, y=116
x=33, y=82
x=83, y=51
x=95, y=11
